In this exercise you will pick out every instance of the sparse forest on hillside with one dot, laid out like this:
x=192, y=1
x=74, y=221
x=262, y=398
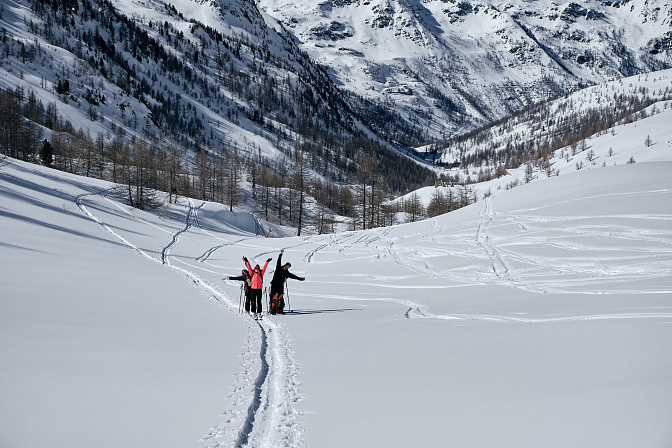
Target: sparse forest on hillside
x=191, y=88
x=240, y=112
x=536, y=133
x=278, y=187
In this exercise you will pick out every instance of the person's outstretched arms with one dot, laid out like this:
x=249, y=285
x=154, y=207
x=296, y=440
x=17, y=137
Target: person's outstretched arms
x=295, y=277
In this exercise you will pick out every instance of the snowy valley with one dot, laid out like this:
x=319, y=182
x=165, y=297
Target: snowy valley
x=517, y=291
x=539, y=315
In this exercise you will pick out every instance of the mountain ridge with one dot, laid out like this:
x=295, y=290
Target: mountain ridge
x=512, y=54
x=229, y=96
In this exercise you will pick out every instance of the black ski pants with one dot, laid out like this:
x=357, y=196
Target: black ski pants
x=256, y=301
x=248, y=299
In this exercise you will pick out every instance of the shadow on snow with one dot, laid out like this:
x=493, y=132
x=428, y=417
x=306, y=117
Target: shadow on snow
x=302, y=312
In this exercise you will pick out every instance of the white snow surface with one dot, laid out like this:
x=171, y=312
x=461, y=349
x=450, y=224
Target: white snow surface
x=541, y=316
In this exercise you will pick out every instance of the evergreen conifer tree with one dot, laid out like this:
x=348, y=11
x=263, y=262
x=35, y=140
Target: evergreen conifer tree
x=46, y=153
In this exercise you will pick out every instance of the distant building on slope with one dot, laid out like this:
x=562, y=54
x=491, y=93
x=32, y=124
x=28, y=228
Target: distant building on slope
x=404, y=90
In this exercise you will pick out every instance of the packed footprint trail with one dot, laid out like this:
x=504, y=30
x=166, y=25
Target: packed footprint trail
x=263, y=406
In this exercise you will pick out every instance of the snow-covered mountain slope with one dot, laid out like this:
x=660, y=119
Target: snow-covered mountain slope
x=129, y=65
x=540, y=316
x=218, y=79
x=470, y=62
x=552, y=125
x=233, y=74
x=210, y=75
x=598, y=121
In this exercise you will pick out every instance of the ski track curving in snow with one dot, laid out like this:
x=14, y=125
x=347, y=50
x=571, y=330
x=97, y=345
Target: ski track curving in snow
x=500, y=268
x=577, y=275
x=191, y=216
x=79, y=200
x=418, y=313
x=208, y=253
x=262, y=412
x=262, y=408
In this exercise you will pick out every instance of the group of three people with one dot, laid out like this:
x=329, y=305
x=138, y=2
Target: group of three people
x=253, y=279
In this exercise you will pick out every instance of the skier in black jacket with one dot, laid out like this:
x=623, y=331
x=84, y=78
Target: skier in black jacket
x=247, y=281
x=280, y=276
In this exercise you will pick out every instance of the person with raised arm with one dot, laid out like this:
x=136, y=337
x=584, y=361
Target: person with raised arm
x=247, y=282
x=280, y=276
x=256, y=285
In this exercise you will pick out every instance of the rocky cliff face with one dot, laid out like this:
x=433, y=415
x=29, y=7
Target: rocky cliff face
x=473, y=61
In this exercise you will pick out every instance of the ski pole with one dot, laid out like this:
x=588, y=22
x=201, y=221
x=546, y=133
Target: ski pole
x=240, y=300
x=268, y=300
x=289, y=304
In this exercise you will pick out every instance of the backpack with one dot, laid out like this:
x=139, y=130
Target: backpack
x=277, y=304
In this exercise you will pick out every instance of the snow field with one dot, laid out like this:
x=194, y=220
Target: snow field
x=523, y=343
x=95, y=350
x=540, y=316
x=269, y=417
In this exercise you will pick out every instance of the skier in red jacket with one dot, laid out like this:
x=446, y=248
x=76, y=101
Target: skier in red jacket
x=257, y=281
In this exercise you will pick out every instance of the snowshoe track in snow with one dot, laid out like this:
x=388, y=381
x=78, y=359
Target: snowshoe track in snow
x=270, y=418
x=248, y=425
